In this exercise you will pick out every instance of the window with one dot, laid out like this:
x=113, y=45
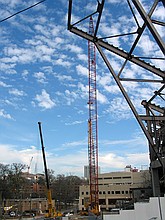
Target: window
x=117, y=192
x=122, y=192
x=126, y=177
x=116, y=177
x=103, y=192
x=107, y=178
x=112, y=192
x=126, y=192
x=100, y=192
x=108, y=192
x=86, y=193
x=82, y=193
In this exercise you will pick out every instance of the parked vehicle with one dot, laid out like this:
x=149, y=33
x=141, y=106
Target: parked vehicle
x=12, y=214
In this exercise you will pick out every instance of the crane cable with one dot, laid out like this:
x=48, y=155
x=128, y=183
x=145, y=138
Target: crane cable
x=21, y=11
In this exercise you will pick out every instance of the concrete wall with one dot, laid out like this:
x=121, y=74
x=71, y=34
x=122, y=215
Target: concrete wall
x=154, y=210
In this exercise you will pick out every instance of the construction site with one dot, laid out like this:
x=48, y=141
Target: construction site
x=152, y=123
x=131, y=193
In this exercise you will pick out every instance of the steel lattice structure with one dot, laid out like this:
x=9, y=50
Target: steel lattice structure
x=92, y=123
x=153, y=122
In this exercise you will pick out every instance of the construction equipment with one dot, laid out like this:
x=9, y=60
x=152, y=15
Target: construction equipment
x=51, y=210
x=30, y=164
x=92, y=127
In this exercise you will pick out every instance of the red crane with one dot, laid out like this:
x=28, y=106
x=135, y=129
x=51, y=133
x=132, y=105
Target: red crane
x=92, y=125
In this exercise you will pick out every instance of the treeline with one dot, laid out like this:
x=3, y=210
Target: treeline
x=14, y=185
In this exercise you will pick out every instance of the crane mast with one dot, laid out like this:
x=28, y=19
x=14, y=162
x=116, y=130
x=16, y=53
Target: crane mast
x=92, y=124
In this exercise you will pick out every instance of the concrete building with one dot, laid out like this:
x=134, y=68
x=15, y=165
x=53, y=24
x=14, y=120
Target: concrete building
x=153, y=209
x=86, y=171
x=116, y=189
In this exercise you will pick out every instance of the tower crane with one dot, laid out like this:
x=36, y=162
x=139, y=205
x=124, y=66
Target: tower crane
x=92, y=125
x=30, y=164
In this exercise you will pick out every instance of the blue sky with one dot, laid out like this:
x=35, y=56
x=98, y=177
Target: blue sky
x=44, y=77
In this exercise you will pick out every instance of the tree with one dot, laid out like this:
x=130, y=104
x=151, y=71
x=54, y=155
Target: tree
x=65, y=189
x=15, y=180
x=3, y=185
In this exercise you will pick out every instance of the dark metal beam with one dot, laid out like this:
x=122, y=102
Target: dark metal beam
x=118, y=51
x=149, y=24
x=99, y=10
x=152, y=118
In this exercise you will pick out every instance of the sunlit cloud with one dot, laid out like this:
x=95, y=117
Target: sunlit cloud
x=4, y=114
x=17, y=92
x=44, y=100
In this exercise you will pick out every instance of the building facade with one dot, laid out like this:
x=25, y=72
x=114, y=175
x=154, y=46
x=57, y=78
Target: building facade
x=116, y=189
x=29, y=205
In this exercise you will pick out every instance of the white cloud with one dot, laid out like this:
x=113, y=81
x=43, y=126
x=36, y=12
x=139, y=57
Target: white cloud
x=4, y=84
x=44, y=49
x=147, y=45
x=65, y=163
x=74, y=123
x=112, y=161
x=25, y=74
x=62, y=62
x=82, y=57
x=159, y=13
x=81, y=70
x=44, y=100
x=74, y=48
x=16, y=92
x=114, y=1
x=40, y=76
x=63, y=77
x=119, y=109
x=83, y=90
x=70, y=96
x=101, y=98
x=4, y=114
x=104, y=80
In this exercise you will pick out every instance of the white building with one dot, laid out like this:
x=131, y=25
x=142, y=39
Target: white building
x=117, y=188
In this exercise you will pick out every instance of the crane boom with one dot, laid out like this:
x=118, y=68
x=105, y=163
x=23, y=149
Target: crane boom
x=49, y=197
x=30, y=164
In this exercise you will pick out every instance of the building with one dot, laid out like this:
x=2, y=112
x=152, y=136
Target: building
x=86, y=171
x=29, y=205
x=153, y=209
x=116, y=189
x=35, y=187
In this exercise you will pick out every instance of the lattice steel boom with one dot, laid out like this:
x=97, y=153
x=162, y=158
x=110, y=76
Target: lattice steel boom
x=92, y=124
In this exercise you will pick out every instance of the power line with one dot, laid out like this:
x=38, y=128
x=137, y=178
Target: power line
x=21, y=11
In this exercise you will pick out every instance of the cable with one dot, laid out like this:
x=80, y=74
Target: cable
x=21, y=11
